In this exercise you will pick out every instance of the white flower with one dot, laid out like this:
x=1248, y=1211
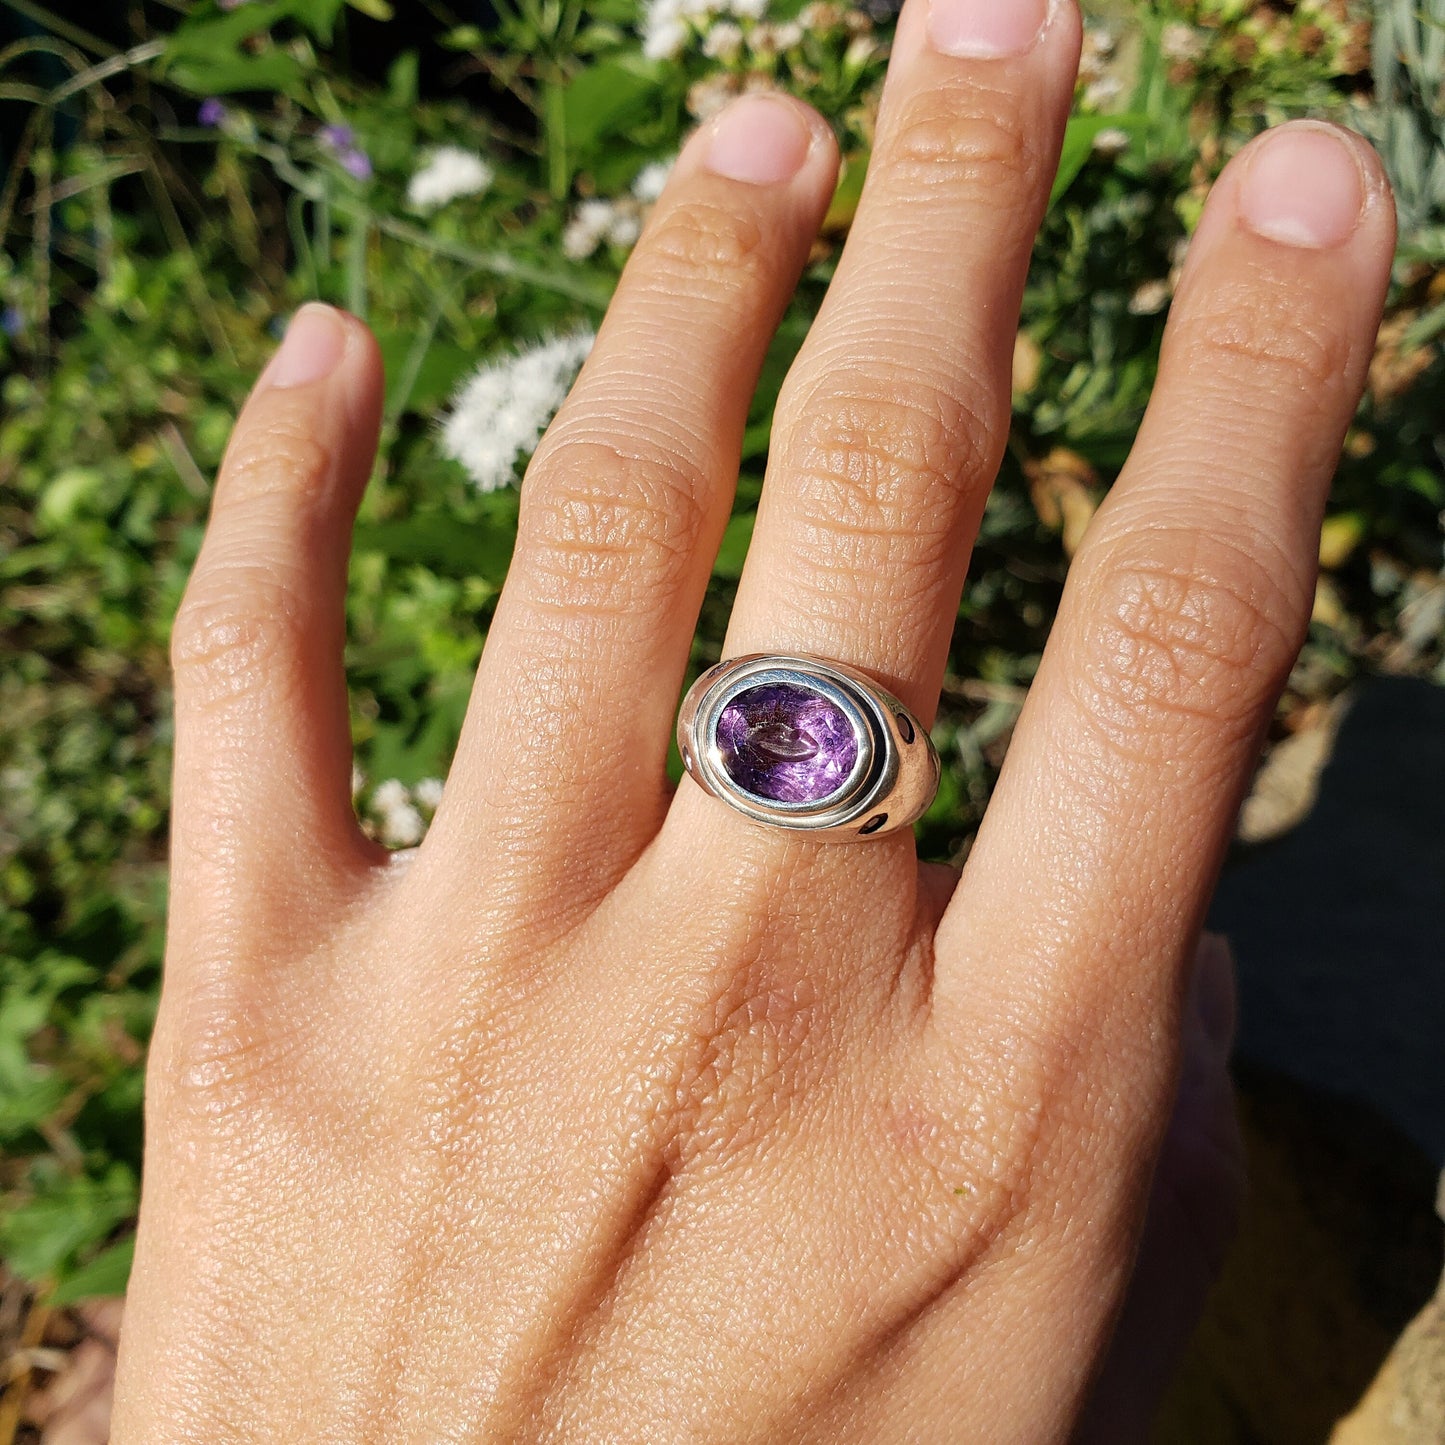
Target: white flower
x=584, y=232
x=449, y=173
x=670, y=25
x=390, y=795
x=1151, y=298
x=501, y=413
x=862, y=50
x=400, y=824
x=1111, y=142
x=708, y=96
x=626, y=227
x=579, y=240
x=650, y=181
x=1103, y=92
x=723, y=41
x=619, y=223
x=428, y=793
x=820, y=15
x=1097, y=50
x=665, y=31
x=1181, y=42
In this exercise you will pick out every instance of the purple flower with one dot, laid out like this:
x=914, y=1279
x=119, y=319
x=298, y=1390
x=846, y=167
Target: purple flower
x=232, y=4
x=338, y=137
x=212, y=112
x=12, y=321
x=357, y=163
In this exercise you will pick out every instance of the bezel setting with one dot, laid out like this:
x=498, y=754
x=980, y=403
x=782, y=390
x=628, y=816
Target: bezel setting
x=894, y=775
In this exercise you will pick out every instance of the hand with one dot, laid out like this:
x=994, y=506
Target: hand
x=606, y=1114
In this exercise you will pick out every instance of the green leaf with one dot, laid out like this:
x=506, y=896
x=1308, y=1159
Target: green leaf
x=318, y=16
x=103, y=1277
x=849, y=191
x=450, y=547
x=1079, y=138
x=467, y=38
x=227, y=74
x=222, y=36
x=66, y=1215
x=64, y=496
x=377, y=9
x=734, y=550
x=403, y=83
x=603, y=98
x=443, y=366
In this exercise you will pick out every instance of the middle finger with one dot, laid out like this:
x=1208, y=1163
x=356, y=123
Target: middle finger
x=893, y=423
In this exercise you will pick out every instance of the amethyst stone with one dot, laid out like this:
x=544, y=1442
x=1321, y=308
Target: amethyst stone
x=786, y=743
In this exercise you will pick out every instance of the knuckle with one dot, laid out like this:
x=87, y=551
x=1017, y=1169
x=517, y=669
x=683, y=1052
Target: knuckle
x=279, y=455
x=1185, y=630
x=878, y=475
x=1260, y=329
x=986, y=1164
x=978, y=1169
x=602, y=525
x=974, y=142
x=225, y=1062
x=235, y=634
x=706, y=244
x=748, y=1060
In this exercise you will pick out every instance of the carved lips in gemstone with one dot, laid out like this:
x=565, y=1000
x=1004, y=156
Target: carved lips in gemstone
x=786, y=743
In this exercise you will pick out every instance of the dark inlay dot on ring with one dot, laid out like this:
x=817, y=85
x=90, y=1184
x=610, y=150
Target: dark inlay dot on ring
x=874, y=824
x=784, y=742
x=905, y=726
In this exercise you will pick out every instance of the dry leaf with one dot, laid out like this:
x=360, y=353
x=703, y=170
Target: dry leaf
x=1028, y=360
x=74, y=1407
x=1394, y=370
x=1064, y=489
x=1339, y=537
x=1288, y=783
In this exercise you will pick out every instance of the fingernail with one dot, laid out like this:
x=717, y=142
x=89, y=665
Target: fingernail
x=1303, y=187
x=986, y=29
x=760, y=140
x=314, y=344
x=1212, y=990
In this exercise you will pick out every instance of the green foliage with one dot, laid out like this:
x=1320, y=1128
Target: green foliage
x=148, y=263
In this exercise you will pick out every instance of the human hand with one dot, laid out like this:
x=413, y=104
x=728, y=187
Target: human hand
x=607, y=1114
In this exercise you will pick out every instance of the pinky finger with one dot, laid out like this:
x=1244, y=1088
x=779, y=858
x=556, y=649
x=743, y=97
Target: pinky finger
x=262, y=797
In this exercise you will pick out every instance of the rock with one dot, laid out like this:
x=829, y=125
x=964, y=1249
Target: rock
x=1405, y=1405
x=1338, y=1248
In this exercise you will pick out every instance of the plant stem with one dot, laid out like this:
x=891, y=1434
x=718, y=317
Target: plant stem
x=405, y=385
x=495, y=263
x=356, y=245
x=554, y=126
x=104, y=69
x=57, y=26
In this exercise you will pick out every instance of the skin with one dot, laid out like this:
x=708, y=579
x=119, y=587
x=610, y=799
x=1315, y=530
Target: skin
x=607, y=1115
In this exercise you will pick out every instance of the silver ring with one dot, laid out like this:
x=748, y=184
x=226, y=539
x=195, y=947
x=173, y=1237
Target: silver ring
x=807, y=744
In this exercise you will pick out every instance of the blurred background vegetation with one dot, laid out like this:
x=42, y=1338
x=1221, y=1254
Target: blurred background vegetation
x=176, y=177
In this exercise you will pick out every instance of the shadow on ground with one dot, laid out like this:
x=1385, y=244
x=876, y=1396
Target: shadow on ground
x=1339, y=928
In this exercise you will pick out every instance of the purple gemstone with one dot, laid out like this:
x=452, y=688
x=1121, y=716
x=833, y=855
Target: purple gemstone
x=786, y=743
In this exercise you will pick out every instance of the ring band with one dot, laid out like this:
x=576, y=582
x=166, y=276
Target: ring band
x=807, y=744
